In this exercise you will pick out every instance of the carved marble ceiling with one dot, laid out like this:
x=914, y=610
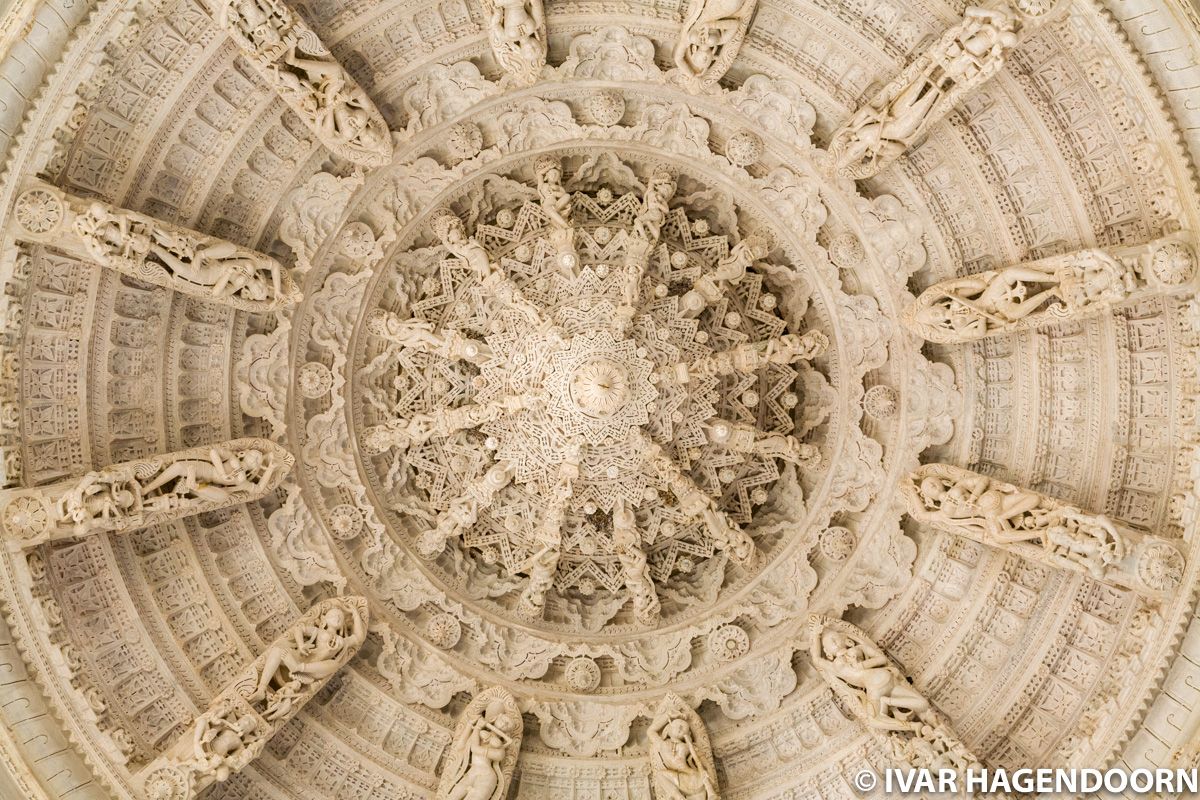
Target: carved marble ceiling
x=407, y=399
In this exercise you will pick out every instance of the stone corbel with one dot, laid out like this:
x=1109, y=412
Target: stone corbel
x=295, y=63
x=964, y=58
x=483, y=754
x=517, y=32
x=268, y=692
x=1034, y=293
x=709, y=40
x=681, y=757
x=142, y=247
x=877, y=693
x=1041, y=528
x=134, y=494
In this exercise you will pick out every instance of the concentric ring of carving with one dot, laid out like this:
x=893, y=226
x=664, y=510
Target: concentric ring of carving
x=477, y=309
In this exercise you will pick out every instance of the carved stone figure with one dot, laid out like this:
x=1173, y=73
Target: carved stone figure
x=316, y=649
x=711, y=36
x=543, y=564
x=743, y=438
x=660, y=188
x=786, y=349
x=480, y=762
x=555, y=202
x=465, y=510
x=681, y=759
x=634, y=565
x=517, y=31
x=1035, y=293
x=732, y=268
x=882, y=698
x=450, y=230
x=419, y=334
x=158, y=252
x=1036, y=526
x=135, y=494
x=965, y=57
x=264, y=695
x=294, y=62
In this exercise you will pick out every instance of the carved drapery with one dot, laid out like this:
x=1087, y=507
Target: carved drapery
x=154, y=251
x=483, y=755
x=268, y=692
x=965, y=57
x=681, y=758
x=1040, y=528
x=295, y=63
x=709, y=40
x=878, y=694
x=1033, y=293
x=134, y=494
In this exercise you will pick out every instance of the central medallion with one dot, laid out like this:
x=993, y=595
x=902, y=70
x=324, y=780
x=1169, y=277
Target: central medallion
x=600, y=386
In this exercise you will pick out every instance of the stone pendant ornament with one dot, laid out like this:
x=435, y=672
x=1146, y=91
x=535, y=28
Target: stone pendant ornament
x=483, y=755
x=239, y=721
x=293, y=60
x=150, y=250
x=709, y=41
x=681, y=758
x=965, y=57
x=881, y=697
x=1035, y=293
x=134, y=494
x=517, y=32
x=1041, y=528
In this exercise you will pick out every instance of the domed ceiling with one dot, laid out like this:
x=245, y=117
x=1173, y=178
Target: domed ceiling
x=672, y=398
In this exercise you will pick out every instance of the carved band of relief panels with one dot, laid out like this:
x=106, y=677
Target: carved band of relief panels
x=981, y=644
x=223, y=96
x=163, y=576
x=621, y=781
x=53, y=355
x=388, y=42
x=236, y=571
x=410, y=744
x=898, y=32
x=1146, y=432
x=143, y=78
x=127, y=402
x=1021, y=180
x=806, y=736
x=305, y=757
x=1090, y=117
x=1058, y=687
x=1071, y=410
x=1005, y=399
x=142, y=697
x=959, y=210
x=272, y=148
x=789, y=40
x=197, y=373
